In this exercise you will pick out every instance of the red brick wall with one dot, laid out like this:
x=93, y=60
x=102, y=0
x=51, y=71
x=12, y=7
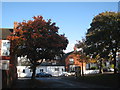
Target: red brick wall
x=8, y=76
x=76, y=61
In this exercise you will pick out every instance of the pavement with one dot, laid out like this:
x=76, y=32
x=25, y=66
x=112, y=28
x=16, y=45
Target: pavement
x=23, y=83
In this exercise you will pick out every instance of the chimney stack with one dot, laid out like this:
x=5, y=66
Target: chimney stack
x=15, y=25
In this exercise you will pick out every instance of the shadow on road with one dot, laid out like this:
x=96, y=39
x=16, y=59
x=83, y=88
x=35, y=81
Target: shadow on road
x=24, y=83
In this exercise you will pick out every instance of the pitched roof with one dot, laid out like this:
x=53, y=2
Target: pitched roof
x=4, y=32
x=65, y=56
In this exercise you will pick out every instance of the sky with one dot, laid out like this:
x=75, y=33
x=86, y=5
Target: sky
x=73, y=18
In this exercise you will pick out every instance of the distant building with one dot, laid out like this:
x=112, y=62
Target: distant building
x=72, y=62
x=54, y=70
x=53, y=67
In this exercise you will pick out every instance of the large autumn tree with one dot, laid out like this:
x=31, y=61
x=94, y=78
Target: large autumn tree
x=38, y=39
x=103, y=37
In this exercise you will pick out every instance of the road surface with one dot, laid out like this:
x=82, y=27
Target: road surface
x=53, y=82
x=60, y=82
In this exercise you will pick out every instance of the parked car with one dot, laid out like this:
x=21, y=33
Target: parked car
x=65, y=74
x=68, y=74
x=111, y=70
x=43, y=74
x=108, y=70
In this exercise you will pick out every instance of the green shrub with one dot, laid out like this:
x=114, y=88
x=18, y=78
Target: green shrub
x=119, y=66
x=93, y=68
x=112, y=66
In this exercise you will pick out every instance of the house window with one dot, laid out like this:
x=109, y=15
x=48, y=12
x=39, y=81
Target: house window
x=23, y=70
x=56, y=69
x=41, y=70
x=71, y=61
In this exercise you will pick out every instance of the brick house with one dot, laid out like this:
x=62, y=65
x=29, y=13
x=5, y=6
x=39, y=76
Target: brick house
x=8, y=75
x=72, y=62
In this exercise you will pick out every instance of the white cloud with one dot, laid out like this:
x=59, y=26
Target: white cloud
x=70, y=47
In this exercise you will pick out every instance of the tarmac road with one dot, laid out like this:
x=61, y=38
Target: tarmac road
x=60, y=82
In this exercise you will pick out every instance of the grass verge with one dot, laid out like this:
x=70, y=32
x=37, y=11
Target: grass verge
x=110, y=80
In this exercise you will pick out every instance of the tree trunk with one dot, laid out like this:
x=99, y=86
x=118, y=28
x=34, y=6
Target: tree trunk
x=115, y=69
x=34, y=71
x=100, y=67
x=89, y=66
x=82, y=69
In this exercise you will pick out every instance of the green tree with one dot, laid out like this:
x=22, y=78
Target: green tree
x=39, y=40
x=102, y=38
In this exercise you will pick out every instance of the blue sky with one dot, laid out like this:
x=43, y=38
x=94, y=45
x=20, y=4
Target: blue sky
x=73, y=18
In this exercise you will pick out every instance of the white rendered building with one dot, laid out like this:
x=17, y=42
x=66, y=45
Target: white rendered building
x=25, y=71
